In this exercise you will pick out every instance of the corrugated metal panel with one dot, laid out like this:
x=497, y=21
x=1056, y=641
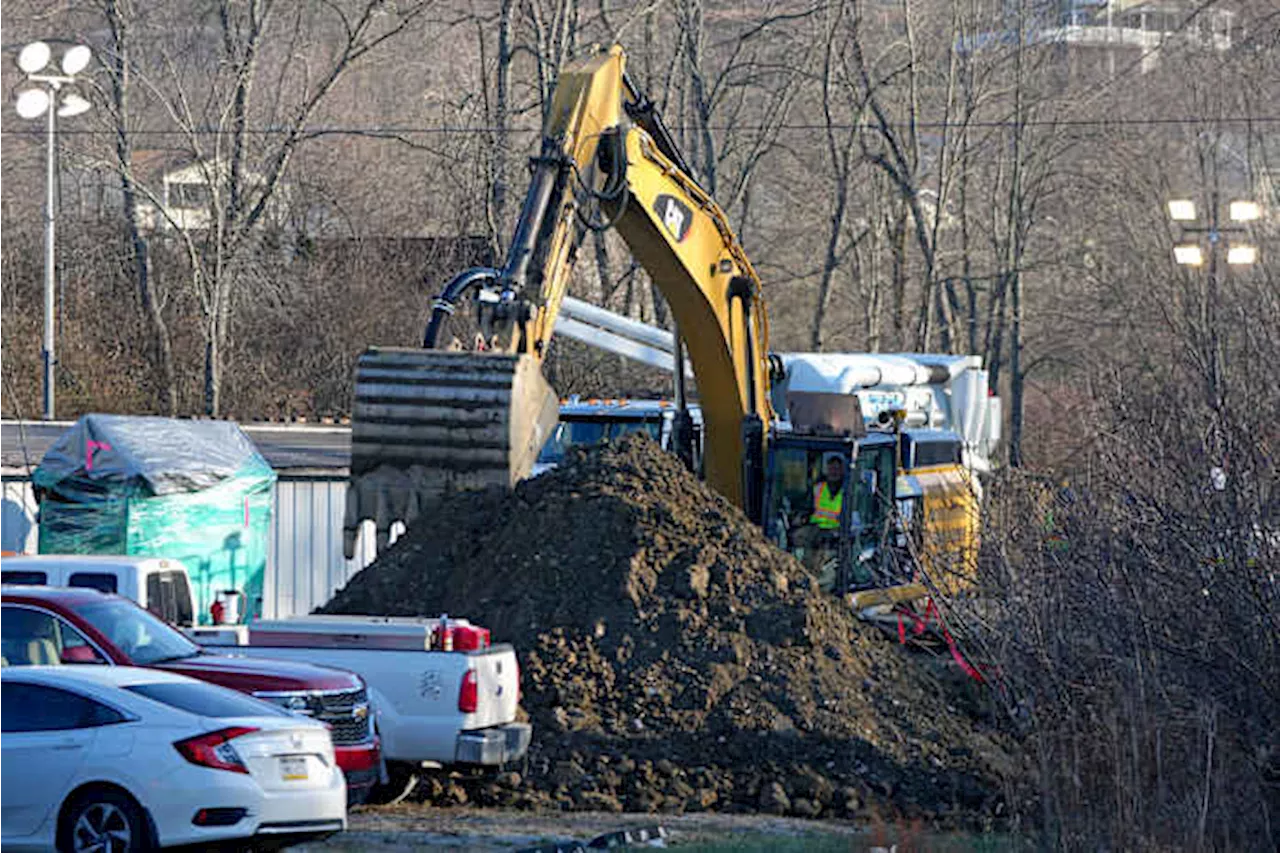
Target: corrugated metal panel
x=305, y=565
x=18, y=531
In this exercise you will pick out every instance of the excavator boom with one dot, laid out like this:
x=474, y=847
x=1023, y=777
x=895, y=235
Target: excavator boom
x=427, y=421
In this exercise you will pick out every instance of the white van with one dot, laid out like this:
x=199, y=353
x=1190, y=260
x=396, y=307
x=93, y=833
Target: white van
x=156, y=583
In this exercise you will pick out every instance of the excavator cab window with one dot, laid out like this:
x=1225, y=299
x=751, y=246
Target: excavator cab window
x=796, y=468
x=873, y=492
x=792, y=478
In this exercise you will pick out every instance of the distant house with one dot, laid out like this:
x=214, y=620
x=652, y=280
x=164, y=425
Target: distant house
x=1101, y=36
x=181, y=192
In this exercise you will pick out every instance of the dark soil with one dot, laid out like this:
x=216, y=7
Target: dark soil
x=673, y=660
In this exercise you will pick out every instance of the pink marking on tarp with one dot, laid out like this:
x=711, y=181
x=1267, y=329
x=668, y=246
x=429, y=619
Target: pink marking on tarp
x=246, y=512
x=90, y=446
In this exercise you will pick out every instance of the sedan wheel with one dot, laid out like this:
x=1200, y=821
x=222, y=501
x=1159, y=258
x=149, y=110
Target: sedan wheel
x=104, y=822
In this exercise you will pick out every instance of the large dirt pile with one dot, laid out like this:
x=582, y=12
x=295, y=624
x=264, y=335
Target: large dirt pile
x=672, y=659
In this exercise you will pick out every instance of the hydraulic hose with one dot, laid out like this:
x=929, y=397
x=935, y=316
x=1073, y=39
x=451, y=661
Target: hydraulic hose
x=443, y=307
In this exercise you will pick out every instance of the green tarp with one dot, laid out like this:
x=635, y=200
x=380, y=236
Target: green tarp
x=195, y=491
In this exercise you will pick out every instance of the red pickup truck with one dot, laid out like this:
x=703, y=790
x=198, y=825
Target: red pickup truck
x=46, y=625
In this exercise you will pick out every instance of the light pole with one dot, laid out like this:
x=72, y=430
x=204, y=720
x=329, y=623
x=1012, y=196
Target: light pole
x=47, y=98
x=1190, y=253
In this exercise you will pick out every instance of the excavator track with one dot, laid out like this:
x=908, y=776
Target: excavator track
x=429, y=422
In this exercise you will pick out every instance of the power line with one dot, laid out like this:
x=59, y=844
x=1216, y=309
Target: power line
x=392, y=131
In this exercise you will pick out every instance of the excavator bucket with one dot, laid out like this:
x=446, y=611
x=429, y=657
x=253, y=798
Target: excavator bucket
x=428, y=422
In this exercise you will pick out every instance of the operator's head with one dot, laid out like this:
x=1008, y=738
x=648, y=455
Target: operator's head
x=835, y=469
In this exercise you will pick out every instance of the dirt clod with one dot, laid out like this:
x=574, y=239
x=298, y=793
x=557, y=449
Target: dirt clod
x=774, y=799
x=657, y=628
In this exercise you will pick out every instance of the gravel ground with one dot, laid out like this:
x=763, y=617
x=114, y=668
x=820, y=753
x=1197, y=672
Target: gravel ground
x=413, y=827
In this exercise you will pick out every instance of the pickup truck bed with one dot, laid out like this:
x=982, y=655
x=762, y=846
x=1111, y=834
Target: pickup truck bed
x=447, y=708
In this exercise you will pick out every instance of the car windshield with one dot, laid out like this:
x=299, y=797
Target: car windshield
x=141, y=636
x=206, y=700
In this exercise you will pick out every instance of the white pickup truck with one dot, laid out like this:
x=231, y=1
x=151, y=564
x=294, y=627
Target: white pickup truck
x=432, y=708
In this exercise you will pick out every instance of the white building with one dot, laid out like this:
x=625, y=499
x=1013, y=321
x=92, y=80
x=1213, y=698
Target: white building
x=183, y=195
x=1102, y=36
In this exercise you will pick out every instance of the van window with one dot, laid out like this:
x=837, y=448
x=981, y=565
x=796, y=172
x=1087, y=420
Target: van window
x=101, y=581
x=24, y=578
x=169, y=597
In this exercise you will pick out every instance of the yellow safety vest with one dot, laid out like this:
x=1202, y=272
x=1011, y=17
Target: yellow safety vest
x=826, y=508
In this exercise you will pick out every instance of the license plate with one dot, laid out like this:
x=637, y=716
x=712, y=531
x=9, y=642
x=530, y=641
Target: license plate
x=293, y=768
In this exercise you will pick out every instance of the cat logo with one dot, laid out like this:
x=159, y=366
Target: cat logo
x=675, y=215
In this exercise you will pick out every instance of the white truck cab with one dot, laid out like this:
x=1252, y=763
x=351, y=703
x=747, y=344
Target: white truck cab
x=158, y=584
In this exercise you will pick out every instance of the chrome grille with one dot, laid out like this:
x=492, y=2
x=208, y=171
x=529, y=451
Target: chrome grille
x=347, y=714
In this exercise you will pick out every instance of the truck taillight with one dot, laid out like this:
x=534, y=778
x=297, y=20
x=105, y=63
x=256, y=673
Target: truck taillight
x=214, y=750
x=469, y=693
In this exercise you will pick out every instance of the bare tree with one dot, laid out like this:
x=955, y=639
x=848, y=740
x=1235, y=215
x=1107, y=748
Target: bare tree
x=118, y=61
x=242, y=113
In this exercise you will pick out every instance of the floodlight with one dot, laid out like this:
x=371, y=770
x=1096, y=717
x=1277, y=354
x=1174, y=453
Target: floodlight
x=1189, y=255
x=32, y=103
x=1182, y=210
x=34, y=57
x=76, y=60
x=72, y=105
x=1242, y=255
x=1245, y=211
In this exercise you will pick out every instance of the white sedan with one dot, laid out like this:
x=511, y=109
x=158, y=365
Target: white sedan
x=99, y=758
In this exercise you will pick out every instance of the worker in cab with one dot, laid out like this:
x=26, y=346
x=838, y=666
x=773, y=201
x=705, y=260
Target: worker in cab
x=815, y=542
x=828, y=496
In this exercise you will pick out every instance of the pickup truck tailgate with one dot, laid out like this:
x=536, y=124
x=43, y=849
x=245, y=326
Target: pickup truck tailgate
x=497, y=687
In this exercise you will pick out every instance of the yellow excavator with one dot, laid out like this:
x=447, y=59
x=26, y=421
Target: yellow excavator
x=448, y=416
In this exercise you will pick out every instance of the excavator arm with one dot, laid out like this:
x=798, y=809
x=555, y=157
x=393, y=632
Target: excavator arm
x=471, y=414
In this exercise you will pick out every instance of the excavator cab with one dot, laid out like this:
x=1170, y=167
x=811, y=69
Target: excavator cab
x=796, y=467
x=819, y=440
